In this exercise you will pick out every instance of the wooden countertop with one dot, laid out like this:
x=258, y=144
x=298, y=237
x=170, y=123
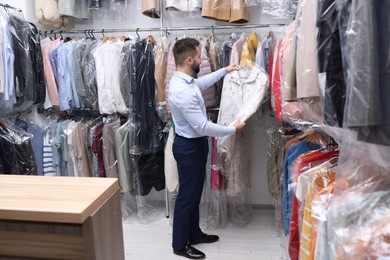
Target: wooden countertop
x=53, y=199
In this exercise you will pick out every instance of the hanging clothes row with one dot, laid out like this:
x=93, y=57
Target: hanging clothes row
x=324, y=77
x=21, y=69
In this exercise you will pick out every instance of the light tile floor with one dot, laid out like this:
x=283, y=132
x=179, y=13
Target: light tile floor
x=259, y=240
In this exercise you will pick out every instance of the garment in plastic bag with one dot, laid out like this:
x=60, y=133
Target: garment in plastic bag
x=364, y=30
x=280, y=8
x=274, y=161
x=74, y=8
x=47, y=14
x=240, y=100
x=213, y=206
x=183, y=6
x=308, y=91
x=150, y=8
x=108, y=56
x=122, y=136
x=17, y=156
x=209, y=95
x=95, y=4
x=25, y=83
x=119, y=8
x=233, y=11
x=89, y=75
x=110, y=162
x=170, y=165
x=330, y=63
x=360, y=202
x=147, y=126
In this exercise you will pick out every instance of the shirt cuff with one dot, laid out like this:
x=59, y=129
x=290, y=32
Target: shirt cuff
x=232, y=130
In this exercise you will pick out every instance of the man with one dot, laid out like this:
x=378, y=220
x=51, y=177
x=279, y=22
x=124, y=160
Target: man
x=190, y=147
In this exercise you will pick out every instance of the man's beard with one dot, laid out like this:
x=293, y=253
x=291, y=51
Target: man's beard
x=195, y=68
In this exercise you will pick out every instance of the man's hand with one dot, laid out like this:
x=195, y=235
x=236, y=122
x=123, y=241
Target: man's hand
x=232, y=67
x=240, y=126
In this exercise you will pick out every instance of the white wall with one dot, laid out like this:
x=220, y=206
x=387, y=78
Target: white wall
x=135, y=19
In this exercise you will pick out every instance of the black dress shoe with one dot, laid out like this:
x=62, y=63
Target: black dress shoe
x=205, y=239
x=190, y=252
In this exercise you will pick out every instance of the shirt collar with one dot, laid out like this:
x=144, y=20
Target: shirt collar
x=252, y=76
x=183, y=76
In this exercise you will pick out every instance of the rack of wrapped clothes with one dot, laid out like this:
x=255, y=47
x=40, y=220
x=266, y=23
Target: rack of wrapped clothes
x=331, y=198
x=114, y=59
x=21, y=69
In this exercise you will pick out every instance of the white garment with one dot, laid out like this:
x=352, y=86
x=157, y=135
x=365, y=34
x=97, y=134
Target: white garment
x=170, y=164
x=107, y=63
x=75, y=8
x=304, y=181
x=184, y=6
x=306, y=58
x=8, y=61
x=235, y=55
x=241, y=97
x=47, y=13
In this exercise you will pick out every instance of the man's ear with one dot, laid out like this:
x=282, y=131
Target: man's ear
x=190, y=60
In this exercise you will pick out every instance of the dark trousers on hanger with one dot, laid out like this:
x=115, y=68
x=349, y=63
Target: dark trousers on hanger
x=191, y=157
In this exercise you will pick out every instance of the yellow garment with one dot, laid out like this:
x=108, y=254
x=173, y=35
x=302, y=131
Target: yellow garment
x=249, y=50
x=323, y=178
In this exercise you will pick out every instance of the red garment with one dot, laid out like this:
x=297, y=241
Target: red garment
x=276, y=84
x=97, y=148
x=270, y=66
x=303, y=163
x=215, y=172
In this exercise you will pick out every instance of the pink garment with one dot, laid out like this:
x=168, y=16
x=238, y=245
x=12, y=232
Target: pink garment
x=276, y=83
x=215, y=171
x=209, y=95
x=49, y=75
x=171, y=67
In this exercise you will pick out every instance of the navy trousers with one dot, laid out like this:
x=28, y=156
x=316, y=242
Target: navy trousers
x=191, y=157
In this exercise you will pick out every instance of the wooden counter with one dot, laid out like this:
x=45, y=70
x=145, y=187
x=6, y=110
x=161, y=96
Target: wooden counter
x=60, y=218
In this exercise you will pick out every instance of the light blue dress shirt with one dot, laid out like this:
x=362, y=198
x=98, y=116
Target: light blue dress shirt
x=8, y=62
x=188, y=109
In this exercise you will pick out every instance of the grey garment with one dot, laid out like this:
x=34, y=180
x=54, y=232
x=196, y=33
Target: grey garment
x=89, y=77
x=125, y=72
x=275, y=162
x=109, y=154
x=224, y=53
x=95, y=169
x=365, y=30
x=78, y=54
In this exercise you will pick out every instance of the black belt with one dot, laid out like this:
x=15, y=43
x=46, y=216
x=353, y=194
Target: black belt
x=197, y=139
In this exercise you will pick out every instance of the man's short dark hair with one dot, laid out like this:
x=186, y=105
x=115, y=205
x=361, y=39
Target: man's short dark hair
x=184, y=48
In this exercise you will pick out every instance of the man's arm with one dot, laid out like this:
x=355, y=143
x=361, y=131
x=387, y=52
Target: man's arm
x=210, y=79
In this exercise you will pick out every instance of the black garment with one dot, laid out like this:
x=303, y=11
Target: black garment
x=330, y=61
x=37, y=64
x=89, y=78
x=25, y=83
x=148, y=172
x=17, y=156
x=366, y=52
x=146, y=124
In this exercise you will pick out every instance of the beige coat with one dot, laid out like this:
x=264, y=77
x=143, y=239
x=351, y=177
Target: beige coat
x=233, y=11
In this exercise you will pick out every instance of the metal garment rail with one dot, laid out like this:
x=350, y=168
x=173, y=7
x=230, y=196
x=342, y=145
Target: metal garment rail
x=167, y=29
x=7, y=6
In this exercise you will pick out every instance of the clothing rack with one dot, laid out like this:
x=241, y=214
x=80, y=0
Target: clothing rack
x=7, y=6
x=164, y=29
